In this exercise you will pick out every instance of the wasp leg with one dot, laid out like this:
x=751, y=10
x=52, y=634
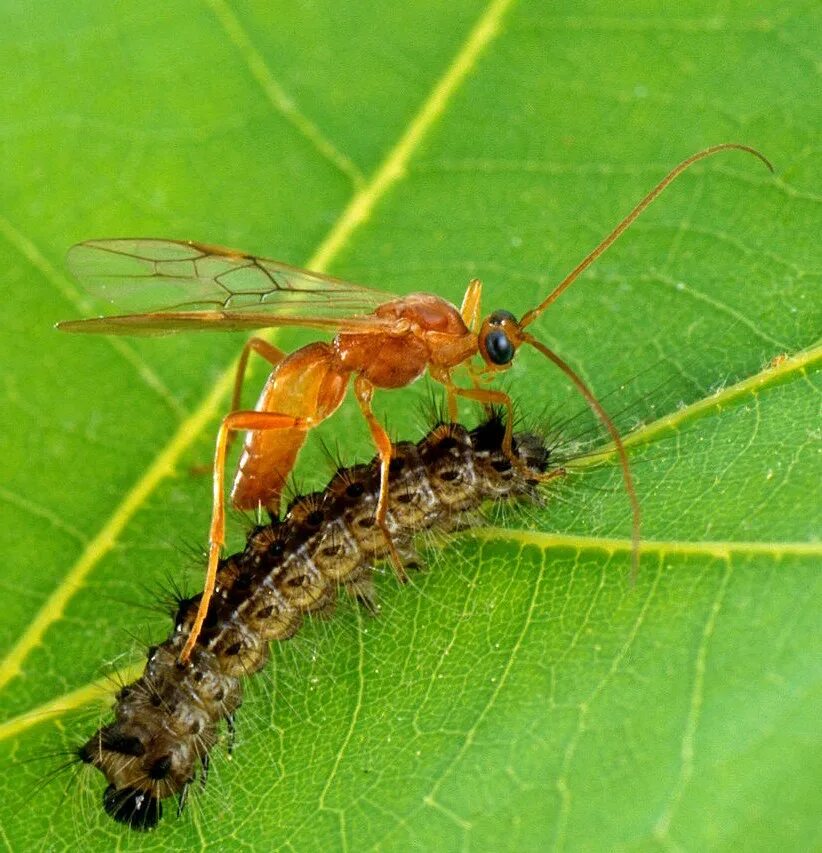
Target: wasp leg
x=488, y=397
x=500, y=398
x=269, y=352
x=364, y=391
x=478, y=375
x=233, y=422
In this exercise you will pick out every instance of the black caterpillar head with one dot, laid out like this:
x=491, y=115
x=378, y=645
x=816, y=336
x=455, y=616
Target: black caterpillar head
x=135, y=808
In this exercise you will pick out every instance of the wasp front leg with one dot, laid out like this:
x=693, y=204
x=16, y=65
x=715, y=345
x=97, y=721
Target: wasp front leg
x=478, y=375
x=488, y=397
x=499, y=398
x=364, y=391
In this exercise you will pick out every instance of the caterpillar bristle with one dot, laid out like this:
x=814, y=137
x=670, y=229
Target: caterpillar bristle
x=432, y=409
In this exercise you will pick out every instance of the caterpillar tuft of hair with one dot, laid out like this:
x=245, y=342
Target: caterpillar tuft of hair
x=167, y=721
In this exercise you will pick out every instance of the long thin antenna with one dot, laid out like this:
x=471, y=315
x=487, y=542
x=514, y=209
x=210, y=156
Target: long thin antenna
x=596, y=406
x=569, y=279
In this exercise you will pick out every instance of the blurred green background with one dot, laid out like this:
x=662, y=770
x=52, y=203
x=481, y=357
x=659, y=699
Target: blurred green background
x=522, y=694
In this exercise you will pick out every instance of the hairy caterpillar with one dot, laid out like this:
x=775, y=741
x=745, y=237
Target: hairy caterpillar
x=166, y=722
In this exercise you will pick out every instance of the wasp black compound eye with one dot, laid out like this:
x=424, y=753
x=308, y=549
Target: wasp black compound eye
x=498, y=346
x=499, y=315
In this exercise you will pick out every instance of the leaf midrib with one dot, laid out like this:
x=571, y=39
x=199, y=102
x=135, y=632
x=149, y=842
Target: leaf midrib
x=718, y=549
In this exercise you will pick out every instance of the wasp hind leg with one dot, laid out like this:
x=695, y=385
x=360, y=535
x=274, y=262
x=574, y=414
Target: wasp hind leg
x=269, y=352
x=233, y=422
x=273, y=356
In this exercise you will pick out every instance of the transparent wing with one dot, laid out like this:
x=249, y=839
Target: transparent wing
x=166, y=285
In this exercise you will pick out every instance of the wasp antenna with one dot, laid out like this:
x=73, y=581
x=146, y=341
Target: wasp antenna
x=596, y=406
x=626, y=223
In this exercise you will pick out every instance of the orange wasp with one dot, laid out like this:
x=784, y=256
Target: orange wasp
x=382, y=341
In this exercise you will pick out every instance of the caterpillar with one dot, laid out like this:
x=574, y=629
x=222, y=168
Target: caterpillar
x=167, y=721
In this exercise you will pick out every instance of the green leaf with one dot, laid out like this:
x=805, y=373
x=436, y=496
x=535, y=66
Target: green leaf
x=522, y=694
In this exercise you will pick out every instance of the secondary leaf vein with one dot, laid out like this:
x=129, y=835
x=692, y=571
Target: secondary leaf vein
x=278, y=97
